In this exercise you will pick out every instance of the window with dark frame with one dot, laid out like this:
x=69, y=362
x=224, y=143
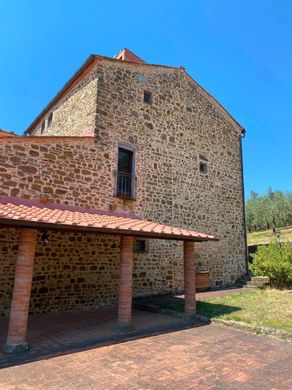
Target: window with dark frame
x=125, y=173
x=141, y=245
x=50, y=119
x=203, y=167
x=147, y=97
x=43, y=125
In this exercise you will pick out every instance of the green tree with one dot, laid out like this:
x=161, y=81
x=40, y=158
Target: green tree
x=271, y=210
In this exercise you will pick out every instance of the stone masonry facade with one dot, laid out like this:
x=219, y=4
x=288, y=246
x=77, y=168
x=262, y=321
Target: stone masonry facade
x=75, y=163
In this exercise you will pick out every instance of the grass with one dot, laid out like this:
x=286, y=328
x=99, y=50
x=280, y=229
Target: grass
x=265, y=237
x=266, y=308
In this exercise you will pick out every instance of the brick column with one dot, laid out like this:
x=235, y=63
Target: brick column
x=125, y=283
x=16, y=338
x=189, y=277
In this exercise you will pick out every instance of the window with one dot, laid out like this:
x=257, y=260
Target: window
x=147, y=97
x=125, y=173
x=203, y=167
x=43, y=125
x=50, y=119
x=141, y=246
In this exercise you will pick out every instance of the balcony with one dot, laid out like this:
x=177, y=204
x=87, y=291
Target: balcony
x=125, y=186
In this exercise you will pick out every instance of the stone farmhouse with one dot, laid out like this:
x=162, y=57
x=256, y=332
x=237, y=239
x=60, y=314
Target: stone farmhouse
x=104, y=197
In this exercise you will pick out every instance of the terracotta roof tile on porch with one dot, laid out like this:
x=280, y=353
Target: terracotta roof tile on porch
x=32, y=213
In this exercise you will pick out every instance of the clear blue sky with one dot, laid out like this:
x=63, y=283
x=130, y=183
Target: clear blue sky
x=240, y=51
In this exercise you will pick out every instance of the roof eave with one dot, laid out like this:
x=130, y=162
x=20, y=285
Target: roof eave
x=121, y=232
x=90, y=60
x=242, y=129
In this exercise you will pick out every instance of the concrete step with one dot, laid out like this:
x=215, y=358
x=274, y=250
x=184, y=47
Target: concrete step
x=258, y=281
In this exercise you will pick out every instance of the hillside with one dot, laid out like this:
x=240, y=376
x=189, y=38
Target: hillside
x=264, y=237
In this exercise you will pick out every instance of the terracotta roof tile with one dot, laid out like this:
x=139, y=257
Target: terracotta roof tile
x=22, y=212
x=4, y=133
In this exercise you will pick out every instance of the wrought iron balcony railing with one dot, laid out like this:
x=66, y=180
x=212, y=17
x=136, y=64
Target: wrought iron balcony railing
x=125, y=185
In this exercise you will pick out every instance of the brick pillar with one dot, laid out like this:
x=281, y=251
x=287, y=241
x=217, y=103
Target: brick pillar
x=125, y=282
x=189, y=277
x=16, y=338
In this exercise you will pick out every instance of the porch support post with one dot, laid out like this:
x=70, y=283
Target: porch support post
x=16, y=337
x=125, y=283
x=189, y=277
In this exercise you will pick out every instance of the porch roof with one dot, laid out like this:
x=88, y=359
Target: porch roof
x=19, y=212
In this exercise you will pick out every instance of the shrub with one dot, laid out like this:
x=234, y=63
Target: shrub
x=274, y=261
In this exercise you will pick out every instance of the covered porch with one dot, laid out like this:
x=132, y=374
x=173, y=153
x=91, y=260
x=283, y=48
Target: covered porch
x=57, y=334
x=31, y=216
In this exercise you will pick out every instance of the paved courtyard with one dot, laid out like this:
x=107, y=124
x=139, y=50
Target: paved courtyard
x=207, y=357
x=59, y=333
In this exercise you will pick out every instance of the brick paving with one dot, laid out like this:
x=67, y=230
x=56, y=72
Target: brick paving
x=49, y=333
x=57, y=333
x=79, y=350
x=211, y=357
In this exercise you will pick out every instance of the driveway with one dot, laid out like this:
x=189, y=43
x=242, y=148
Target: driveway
x=207, y=357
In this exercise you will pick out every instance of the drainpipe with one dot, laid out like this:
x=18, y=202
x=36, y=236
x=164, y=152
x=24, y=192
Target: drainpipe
x=243, y=201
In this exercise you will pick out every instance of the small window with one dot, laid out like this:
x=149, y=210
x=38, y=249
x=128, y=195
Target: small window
x=43, y=125
x=125, y=174
x=141, y=246
x=147, y=97
x=203, y=167
x=50, y=119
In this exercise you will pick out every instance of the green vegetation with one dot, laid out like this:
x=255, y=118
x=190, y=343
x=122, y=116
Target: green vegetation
x=274, y=261
x=268, y=211
x=261, y=307
x=268, y=308
x=266, y=236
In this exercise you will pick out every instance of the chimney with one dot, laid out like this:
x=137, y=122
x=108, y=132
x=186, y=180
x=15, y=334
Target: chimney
x=128, y=55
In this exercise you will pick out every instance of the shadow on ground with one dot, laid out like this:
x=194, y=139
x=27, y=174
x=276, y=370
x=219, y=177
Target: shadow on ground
x=57, y=334
x=176, y=304
x=214, y=310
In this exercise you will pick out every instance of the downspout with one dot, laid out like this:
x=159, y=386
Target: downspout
x=243, y=202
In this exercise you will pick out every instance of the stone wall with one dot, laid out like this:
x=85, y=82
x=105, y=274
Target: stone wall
x=181, y=128
x=70, y=114
x=74, y=171
x=76, y=271
x=71, y=271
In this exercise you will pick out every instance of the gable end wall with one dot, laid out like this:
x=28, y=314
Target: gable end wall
x=170, y=137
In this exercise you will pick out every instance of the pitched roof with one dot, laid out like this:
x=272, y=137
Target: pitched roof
x=19, y=212
x=79, y=74
x=4, y=133
x=127, y=57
